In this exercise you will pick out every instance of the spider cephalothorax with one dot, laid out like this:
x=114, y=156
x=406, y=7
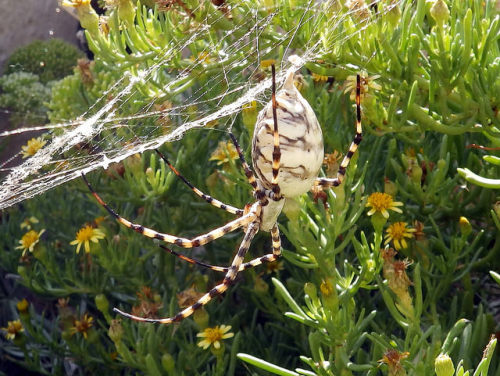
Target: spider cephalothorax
x=287, y=152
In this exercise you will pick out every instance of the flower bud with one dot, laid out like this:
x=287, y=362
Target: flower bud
x=378, y=222
x=465, y=226
x=390, y=187
x=201, y=318
x=115, y=331
x=22, y=306
x=168, y=363
x=440, y=12
x=443, y=365
x=88, y=18
x=102, y=303
x=310, y=289
x=496, y=208
x=394, y=14
x=249, y=115
x=330, y=298
x=416, y=174
x=126, y=12
x=150, y=173
x=260, y=286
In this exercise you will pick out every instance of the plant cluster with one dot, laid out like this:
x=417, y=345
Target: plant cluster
x=29, y=74
x=50, y=60
x=394, y=272
x=25, y=97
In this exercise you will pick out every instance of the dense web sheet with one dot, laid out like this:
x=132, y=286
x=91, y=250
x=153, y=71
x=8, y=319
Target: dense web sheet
x=114, y=137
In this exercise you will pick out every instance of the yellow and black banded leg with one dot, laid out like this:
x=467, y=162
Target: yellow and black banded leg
x=276, y=143
x=217, y=290
x=247, y=265
x=325, y=182
x=181, y=242
x=207, y=198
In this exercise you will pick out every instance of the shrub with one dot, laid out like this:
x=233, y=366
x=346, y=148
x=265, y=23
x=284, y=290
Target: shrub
x=24, y=95
x=50, y=60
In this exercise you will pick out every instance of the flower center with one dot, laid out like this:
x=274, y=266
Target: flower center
x=29, y=238
x=380, y=201
x=213, y=334
x=398, y=230
x=85, y=234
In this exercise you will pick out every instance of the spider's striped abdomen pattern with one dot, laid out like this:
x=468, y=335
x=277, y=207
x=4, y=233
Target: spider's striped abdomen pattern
x=300, y=143
x=287, y=153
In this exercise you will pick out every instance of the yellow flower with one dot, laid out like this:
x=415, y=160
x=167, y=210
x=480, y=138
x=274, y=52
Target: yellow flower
x=225, y=152
x=29, y=240
x=267, y=63
x=13, y=329
x=250, y=107
x=82, y=326
x=274, y=267
x=22, y=306
x=381, y=202
x=367, y=83
x=203, y=57
x=332, y=162
x=86, y=235
x=397, y=232
x=75, y=3
x=32, y=147
x=214, y=336
x=99, y=220
x=27, y=223
x=87, y=16
x=319, y=77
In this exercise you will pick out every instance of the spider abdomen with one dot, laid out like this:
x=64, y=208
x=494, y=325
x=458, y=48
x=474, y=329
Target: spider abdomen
x=301, y=143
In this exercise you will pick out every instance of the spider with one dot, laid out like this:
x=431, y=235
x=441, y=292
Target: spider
x=287, y=153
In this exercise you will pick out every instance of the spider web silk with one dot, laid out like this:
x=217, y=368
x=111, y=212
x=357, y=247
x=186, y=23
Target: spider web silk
x=116, y=137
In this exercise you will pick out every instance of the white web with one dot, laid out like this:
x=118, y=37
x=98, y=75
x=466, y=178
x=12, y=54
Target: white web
x=62, y=158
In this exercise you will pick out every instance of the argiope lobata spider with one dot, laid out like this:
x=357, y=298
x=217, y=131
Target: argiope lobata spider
x=287, y=153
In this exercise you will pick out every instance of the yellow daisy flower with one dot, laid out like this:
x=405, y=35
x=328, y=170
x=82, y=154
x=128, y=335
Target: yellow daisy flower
x=225, y=152
x=22, y=306
x=82, y=326
x=214, y=336
x=28, y=222
x=86, y=235
x=381, y=202
x=13, y=329
x=29, y=240
x=32, y=147
x=367, y=83
x=319, y=77
x=397, y=232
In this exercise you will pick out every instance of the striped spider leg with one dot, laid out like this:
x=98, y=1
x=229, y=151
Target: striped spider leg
x=247, y=265
x=325, y=182
x=207, y=198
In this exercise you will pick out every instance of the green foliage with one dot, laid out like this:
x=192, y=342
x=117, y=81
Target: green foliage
x=343, y=301
x=24, y=96
x=50, y=60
